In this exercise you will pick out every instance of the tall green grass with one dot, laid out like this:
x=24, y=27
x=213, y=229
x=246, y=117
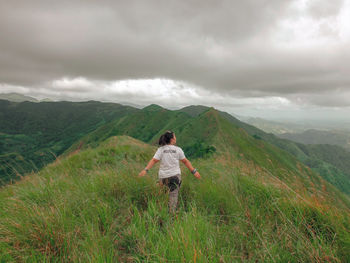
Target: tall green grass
x=92, y=207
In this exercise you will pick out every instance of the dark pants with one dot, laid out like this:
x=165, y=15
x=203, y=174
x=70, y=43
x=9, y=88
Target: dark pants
x=173, y=183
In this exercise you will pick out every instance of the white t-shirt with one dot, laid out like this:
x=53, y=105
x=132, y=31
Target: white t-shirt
x=169, y=156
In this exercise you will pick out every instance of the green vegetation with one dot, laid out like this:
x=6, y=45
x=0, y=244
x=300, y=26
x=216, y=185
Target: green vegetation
x=331, y=162
x=32, y=138
x=34, y=134
x=91, y=207
x=199, y=150
x=193, y=133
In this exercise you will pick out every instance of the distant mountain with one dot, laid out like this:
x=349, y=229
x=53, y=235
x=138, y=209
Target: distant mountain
x=46, y=100
x=146, y=125
x=34, y=134
x=296, y=126
x=334, y=137
x=194, y=110
x=16, y=97
x=315, y=156
x=153, y=107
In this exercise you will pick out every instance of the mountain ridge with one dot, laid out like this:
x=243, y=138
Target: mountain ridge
x=145, y=124
x=16, y=97
x=232, y=142
x=310, y=155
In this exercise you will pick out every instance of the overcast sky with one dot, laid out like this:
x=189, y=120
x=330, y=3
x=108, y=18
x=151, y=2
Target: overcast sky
x=267, y=58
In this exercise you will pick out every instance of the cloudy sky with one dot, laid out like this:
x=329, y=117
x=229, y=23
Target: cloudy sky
x=267, y=58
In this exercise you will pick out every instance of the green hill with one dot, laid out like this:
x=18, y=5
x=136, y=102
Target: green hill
x=194, y=133
x=194, y=110
x=254, y=203
x=153, y=107
x=146, y=125
x=34, y=134
x=331, y=162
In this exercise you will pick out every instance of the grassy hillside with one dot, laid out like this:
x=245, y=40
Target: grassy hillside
x=34, y=134
x=255, y=203
x=148, y=124
x=331, y=162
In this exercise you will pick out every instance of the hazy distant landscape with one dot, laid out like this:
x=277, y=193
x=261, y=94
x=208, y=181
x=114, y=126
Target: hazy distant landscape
x=332, y=133
x=298, y=127
x=332, y=137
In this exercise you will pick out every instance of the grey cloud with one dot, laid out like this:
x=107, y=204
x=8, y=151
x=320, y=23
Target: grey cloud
x=224, y=46
x=324, y=8
x=338, y=97
x=123, y=39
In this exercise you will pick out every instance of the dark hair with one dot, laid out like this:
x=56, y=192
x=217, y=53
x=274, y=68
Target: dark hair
x=165, y=138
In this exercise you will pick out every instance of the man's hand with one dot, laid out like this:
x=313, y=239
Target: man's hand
x=197, y=175
x=142, y=173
